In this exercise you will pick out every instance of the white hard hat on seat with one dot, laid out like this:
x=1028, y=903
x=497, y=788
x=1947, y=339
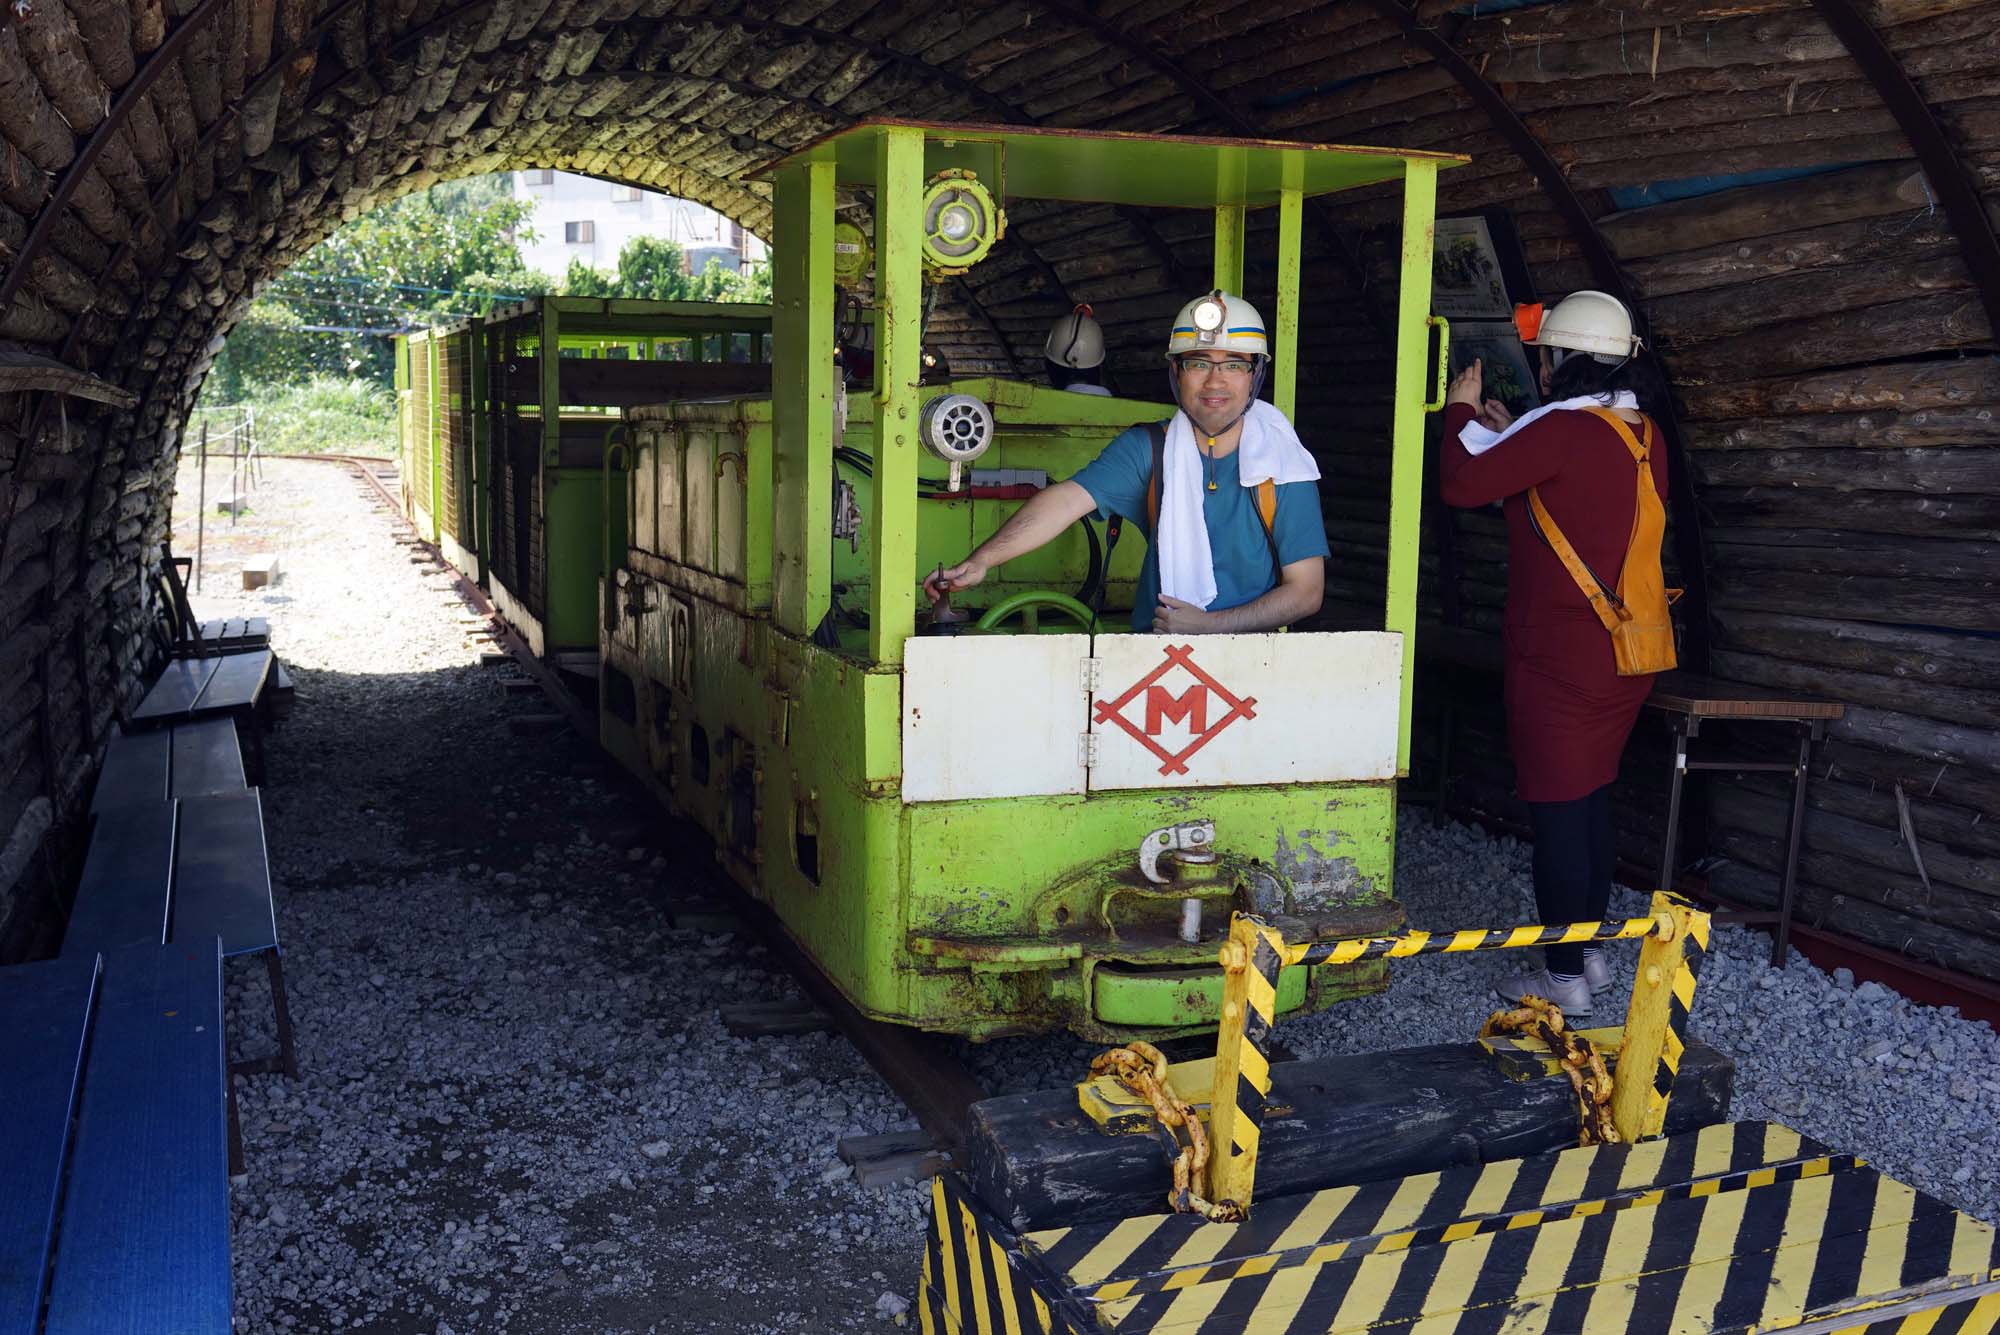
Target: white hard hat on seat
x=1592, y=322
x=1221, y=323
x=1075, y=341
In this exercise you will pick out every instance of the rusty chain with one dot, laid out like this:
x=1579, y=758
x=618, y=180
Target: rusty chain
x=1142, y=1069
x=1581, y=1062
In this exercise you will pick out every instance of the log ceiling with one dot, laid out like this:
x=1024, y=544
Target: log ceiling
x=1823, y=297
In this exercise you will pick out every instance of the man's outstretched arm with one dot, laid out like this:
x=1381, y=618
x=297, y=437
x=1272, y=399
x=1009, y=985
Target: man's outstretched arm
x=1042, y=519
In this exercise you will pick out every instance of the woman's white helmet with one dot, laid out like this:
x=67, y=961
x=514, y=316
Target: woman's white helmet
x=1221, y=323
x=1076, y=341
x=1592, y=322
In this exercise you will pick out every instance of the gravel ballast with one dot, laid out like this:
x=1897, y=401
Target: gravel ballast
x=519, y=1112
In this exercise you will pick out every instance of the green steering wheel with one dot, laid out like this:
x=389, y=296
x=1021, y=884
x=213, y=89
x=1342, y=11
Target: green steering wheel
x=1029, y=601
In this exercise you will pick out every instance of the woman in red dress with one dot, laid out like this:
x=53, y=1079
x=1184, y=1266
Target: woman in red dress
x=1568, y=710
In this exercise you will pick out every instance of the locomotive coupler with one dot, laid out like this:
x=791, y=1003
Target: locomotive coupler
x=1191, y=843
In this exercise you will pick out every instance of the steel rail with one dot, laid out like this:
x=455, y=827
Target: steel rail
x=1597, y=253
x=1951, y=183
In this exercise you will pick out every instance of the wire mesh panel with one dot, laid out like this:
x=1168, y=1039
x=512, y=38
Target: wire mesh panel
x=422, y=405
x=454, y=433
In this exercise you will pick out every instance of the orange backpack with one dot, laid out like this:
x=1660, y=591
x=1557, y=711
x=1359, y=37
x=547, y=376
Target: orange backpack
x=1642, y=632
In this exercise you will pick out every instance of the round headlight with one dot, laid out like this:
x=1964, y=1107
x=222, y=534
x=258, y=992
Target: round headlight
x=1209, y=313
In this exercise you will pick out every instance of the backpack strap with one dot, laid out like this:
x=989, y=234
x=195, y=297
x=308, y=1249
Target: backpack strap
x=1158, y=432
x=1267, y=497
x=1610, y=608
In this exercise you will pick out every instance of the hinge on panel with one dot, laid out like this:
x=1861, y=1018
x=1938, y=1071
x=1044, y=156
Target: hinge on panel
x=1086, y=749
x=1091, y=674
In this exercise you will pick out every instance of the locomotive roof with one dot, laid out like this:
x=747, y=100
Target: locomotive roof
x=1165, y=171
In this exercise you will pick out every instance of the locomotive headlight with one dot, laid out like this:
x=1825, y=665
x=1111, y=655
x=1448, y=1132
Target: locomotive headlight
x=957, y=222
x=957, y=428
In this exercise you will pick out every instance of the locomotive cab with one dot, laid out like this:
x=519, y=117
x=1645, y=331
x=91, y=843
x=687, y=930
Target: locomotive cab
x=1031, y=818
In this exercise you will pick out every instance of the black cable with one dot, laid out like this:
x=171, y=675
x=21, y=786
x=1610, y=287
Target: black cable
x=1094, y=578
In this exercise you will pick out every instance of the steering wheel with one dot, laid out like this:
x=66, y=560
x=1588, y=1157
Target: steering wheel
x=1029, y=602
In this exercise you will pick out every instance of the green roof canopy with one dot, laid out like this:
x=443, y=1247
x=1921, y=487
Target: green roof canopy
x=1095, y=166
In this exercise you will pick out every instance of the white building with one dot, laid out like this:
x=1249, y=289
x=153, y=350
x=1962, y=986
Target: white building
x=583, y=218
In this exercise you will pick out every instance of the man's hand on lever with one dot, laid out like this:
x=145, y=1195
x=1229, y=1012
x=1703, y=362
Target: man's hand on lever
x=964, y=575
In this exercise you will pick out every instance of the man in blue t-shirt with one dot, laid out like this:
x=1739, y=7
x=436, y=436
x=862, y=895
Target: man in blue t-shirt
x=1231, y=572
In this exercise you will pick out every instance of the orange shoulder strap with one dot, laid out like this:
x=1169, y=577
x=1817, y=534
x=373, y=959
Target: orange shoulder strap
x=1641, y=452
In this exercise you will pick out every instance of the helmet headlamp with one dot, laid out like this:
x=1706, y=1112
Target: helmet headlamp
x=1210, y=314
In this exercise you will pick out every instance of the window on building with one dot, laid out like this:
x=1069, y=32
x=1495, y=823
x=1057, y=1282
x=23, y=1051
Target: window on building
x=539, y=176
x=624, y=194
x=580, y=233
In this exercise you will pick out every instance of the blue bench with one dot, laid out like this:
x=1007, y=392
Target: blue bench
x=113, y=1100
x=227, y=635
x=175, y=870
x=187, y=760
x=190, y=688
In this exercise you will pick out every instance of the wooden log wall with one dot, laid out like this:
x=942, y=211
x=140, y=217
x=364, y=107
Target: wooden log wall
x=1833, y=363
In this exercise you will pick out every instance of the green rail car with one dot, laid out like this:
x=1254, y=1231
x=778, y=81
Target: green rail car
x=502, y=453
x=964, y=831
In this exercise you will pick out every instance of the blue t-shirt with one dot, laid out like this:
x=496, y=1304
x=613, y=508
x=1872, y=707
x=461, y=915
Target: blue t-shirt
x=1116, y=479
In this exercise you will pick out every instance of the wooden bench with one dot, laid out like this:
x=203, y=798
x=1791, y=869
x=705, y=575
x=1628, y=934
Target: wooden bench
x=112, y=1093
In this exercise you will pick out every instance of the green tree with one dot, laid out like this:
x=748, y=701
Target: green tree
x=430, y=258
x=654, y=268
x=584, y=281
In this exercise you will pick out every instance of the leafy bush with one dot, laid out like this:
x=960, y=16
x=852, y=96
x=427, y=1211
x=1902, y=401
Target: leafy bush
x=323, y=415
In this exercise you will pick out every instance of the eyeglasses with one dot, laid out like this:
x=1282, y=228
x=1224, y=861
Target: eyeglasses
x=1192, y=366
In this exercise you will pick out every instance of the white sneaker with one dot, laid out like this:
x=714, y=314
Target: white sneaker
x=1573, y=997
x=1596, y=972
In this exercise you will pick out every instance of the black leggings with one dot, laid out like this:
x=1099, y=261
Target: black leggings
x=1572, y=867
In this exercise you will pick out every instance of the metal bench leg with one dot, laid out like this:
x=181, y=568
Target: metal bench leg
x=288, y=1053
x=1675, y=784
x=1794, y=829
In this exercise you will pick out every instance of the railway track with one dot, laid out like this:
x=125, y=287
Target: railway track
x=921, y=1068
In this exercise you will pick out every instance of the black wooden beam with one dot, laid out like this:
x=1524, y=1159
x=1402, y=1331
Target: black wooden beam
x=1951, y=184
x=1610, y=278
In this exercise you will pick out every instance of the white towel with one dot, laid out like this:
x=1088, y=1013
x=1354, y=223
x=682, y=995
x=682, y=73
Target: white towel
x=1479, y=438
x=1269, y=449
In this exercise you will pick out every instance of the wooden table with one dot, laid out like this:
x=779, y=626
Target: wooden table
x=1688, y=701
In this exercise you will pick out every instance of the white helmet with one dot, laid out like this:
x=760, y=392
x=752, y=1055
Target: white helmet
x=1221, y=322
x=1592, y=322
x=1076, y=341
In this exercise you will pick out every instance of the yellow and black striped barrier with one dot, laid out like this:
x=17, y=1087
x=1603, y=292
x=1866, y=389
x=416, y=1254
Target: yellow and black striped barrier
x=1675, y=936
x=1730, y=1229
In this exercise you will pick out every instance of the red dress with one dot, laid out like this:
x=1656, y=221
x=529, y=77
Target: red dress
x=1568, y=710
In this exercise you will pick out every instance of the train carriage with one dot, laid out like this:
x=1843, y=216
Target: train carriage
x=1045, y=821
x=503, y=452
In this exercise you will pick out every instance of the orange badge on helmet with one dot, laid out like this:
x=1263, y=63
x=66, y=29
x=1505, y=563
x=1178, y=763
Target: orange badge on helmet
x=1528, y=321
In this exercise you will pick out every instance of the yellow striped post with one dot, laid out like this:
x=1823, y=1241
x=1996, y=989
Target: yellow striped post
x=1656, y=1021
x=1251, y=960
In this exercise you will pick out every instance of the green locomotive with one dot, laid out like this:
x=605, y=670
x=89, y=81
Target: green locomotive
x=1045, y=821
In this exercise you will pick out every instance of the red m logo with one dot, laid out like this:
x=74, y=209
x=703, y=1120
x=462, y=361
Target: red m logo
x=1189, y=708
